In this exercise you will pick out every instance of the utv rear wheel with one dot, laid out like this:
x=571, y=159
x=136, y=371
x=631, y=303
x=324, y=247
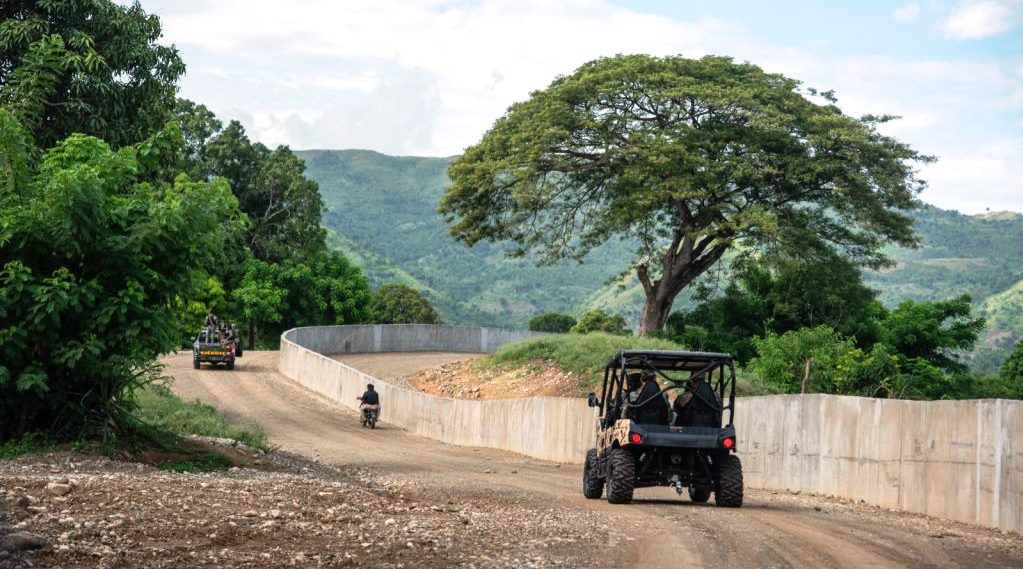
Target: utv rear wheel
x=621, y=476
x=230, y=364
x=699, y=495
x=196, y=364
x=729, y=487
x=593, y=486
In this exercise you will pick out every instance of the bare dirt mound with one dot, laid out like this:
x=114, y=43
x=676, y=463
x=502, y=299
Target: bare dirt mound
x=471, y=379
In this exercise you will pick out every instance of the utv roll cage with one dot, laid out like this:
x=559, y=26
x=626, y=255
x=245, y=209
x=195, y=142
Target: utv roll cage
x=675, y=368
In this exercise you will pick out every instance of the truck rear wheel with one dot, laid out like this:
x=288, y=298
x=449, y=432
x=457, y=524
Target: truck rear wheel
x=729, y=487
x=593, y=486
x=621, y=476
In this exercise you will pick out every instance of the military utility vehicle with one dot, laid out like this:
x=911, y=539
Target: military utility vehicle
x=209, y=347
x=690, y=448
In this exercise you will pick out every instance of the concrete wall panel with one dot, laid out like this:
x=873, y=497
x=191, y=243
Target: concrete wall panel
x=960, y=460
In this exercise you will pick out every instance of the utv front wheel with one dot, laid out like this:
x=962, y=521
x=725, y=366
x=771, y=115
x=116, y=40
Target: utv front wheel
x=593, y=486
x=729, y=486
x=621, y=476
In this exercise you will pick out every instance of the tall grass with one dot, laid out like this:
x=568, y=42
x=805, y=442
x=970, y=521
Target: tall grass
x=586, y=355
x=582, y=354
x=164, y=411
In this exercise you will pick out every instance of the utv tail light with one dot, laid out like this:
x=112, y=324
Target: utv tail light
x=728, y=443
x=635, y=438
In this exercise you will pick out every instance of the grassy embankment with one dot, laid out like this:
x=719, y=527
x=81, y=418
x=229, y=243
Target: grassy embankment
x=586, y=355
x=165, y=423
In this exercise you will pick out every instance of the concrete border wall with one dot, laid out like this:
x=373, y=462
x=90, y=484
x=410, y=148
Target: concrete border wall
x=550, y=428
x=959, y=460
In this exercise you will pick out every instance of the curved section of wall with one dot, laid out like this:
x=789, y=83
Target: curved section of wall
x=959, y=460
x=549, y=428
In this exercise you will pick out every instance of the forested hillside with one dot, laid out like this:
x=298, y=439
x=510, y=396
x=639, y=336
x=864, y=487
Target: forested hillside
x=382, y=210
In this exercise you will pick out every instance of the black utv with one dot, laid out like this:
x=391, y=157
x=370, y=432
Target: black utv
x=643, y=442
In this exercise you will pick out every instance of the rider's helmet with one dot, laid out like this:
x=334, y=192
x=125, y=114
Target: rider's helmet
x=369, y=386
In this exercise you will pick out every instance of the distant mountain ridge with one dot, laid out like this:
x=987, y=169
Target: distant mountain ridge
x=381, y=210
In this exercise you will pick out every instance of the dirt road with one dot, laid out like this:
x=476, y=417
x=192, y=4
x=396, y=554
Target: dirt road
x=772, y=529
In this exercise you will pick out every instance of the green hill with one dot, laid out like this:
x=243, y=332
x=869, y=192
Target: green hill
x=382, y=211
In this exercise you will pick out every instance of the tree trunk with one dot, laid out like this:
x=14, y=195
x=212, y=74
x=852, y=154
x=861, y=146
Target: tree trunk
x=252, y=333
x=655, y=313
x=685, y=259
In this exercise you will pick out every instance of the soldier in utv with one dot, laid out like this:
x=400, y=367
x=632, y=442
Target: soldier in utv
x=698, y=406
x=646, y=404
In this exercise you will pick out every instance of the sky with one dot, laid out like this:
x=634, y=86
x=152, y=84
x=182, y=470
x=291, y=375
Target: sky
x=428, y=78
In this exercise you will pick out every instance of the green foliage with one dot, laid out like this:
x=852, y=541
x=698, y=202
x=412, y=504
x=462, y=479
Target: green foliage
x=89, y=66
x=686, y=158
x=1012, y=368
x=284, y=206
x=600, y=321
x=582, y=354
x=324, y=289
x=31, y=443
x=552, y=322
x=933, y=331
x=161, y=409
x=94, y=253
x=778, y=294
x=400, y=304
x=199, y=462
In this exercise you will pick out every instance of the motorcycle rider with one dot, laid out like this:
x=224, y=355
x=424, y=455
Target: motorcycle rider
x=370, y=400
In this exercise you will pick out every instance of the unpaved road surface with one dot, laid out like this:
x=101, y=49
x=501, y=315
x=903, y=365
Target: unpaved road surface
x=772, y=529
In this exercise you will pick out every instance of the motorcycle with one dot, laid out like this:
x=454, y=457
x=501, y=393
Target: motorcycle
x=370, y=413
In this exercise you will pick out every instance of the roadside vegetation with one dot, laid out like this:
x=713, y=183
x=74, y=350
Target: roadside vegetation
x=585, y=355
x=126, y=215
x=163, y=410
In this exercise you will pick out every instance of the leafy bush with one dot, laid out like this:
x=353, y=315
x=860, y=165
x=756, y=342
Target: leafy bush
x=552, y=322
x=96, y=247
x=399, y=304
x=600, y=321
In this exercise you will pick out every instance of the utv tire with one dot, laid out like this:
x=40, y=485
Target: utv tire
x=593, y=486
x=729, y=488
x=196, y=364
x=621, y=476
x=699, y=495
x=230, y=364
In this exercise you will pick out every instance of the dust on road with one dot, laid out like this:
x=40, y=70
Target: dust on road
x=772, y=529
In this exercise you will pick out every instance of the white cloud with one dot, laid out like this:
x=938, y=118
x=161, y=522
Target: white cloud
x=987, y=176
x=984, y=18
x=907, y=12
x=428, y=78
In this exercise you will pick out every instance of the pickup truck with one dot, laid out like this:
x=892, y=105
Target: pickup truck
x=209, y=348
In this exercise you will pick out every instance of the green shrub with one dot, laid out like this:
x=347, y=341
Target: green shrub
x=552, y=322
x=96, y=248
x=600, y=321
